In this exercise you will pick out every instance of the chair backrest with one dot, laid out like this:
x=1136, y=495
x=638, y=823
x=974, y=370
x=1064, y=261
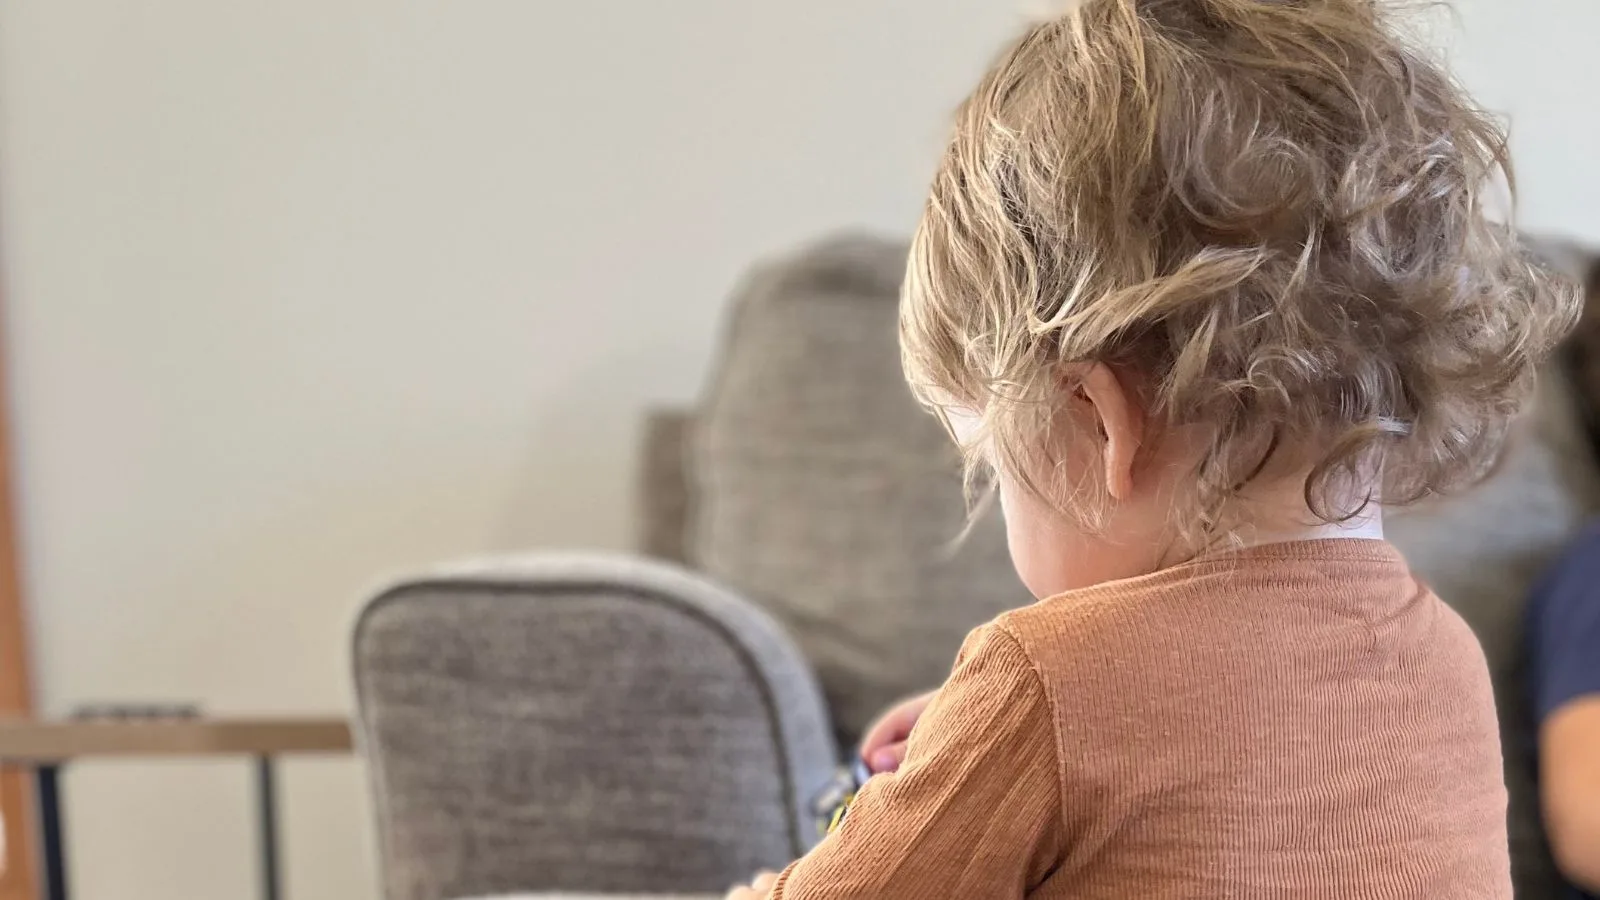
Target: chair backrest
x=584, y=724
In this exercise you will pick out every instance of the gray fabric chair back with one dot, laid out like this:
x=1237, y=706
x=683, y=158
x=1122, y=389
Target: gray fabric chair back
x=582, y=723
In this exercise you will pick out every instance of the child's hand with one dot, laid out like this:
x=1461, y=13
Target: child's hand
x=760, y=890
x=884, y=747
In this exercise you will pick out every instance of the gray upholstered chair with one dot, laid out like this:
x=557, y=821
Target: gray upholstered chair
x=583, y=723
x=606, y=724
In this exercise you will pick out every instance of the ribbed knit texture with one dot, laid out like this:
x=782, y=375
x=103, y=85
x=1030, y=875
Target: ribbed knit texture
x=1299, y=721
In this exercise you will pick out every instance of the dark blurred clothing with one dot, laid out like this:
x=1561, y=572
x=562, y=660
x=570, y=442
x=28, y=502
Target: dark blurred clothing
x=1564, y=635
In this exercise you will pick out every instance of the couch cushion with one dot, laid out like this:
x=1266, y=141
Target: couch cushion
x=827, y=495
x=663, y=512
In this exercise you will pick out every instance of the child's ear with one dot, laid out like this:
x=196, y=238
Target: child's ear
x=1119, y=419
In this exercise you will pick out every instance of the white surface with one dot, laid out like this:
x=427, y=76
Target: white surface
x=304, y=292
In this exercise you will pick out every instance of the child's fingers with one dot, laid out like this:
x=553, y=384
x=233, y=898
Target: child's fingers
x=885, y=731
x=887, y=759
x=762, y=887
x=894, y=726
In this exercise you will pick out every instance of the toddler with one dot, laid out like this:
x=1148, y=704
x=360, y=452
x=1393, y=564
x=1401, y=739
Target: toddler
x=1201, y=287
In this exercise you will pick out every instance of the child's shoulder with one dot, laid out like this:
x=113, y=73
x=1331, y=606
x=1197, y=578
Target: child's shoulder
x=1092, y=627
x=1263, y=603
x=1119, y=613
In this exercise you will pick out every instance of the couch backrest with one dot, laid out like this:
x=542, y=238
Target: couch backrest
x=826, y=494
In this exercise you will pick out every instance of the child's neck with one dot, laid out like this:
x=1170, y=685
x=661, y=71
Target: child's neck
x=1366, y=526
x=1279, y=514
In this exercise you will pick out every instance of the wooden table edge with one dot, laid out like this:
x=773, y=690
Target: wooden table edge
x=28, y=741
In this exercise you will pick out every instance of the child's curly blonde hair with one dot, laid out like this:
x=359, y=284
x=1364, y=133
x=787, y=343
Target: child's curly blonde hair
x=1272, y=211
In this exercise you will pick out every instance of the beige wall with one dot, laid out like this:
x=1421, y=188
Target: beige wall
x=301, y=293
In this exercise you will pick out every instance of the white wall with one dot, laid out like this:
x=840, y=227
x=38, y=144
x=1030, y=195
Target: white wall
x=300, y=293
x=1534, y=60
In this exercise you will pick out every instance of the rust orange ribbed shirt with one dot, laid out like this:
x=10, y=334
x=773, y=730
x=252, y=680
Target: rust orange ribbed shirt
x=1298, y=720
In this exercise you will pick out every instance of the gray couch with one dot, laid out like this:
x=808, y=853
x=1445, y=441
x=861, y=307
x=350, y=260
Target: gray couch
x=613, y=724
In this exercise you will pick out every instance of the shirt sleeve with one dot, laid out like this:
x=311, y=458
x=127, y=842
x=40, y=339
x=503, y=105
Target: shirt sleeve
x=975, y=809
x=1564, y=630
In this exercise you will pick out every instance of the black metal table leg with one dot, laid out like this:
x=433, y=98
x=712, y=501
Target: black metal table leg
x=47, y=782
x=267, y=797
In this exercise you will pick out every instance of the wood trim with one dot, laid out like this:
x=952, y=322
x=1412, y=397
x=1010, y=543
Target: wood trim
x=18, y=879
x=25, y=741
